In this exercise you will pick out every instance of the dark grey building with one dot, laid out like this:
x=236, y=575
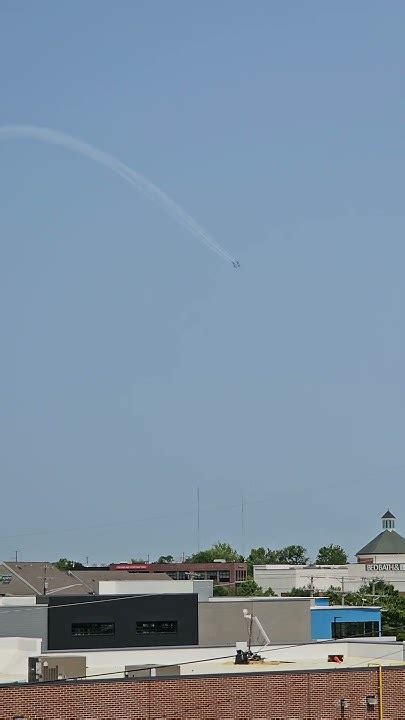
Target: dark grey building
x=119, y=621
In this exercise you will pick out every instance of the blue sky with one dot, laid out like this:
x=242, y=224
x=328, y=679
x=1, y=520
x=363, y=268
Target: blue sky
x=136, y=365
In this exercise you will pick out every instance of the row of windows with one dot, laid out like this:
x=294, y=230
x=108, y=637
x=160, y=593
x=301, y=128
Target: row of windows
x=93, y=628
x=156, y=626
x=143, y=627
x=215, y=575
x=355, y=629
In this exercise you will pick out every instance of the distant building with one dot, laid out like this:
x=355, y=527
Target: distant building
x=387, y=548
x=221, y=573
x=383, y=558
x=44, y=578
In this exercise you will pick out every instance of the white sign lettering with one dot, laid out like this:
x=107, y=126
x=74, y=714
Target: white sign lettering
x=386, y=567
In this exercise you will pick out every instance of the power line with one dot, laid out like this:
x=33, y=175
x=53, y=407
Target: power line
x=85, y=602
x=102, y=526
x=225, y=657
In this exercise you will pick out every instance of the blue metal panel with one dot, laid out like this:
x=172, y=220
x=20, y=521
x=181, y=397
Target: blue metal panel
x=321, y=601
x=322, y=619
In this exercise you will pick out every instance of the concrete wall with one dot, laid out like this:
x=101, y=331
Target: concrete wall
x=385, y=558
x=26, y=622
x=282, y=578
x=14, y=654
x=285, y=620
x=204, y=588
x=13, y=601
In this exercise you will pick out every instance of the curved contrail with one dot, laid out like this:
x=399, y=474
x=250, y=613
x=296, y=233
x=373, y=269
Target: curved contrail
x=54, y=137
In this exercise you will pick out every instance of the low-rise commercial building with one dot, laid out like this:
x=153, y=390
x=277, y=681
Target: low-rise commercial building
x=383, y=558
x=116, y=621
x=220, y=572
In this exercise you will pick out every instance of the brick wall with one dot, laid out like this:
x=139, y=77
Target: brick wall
x=266, y=696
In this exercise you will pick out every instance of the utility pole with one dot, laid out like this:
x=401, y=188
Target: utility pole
x=311, y=587
x=198, y=519
x=45, y=587
x=87, y=561
x=243, y=527
x=16, y=556
x=343, y=591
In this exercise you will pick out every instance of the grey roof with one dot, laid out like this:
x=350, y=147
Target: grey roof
x=386, y=543
x=388, y=514
x=27, y=578
x=91, y=578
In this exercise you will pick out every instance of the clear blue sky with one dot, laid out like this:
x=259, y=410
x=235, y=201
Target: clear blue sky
x=135, y=364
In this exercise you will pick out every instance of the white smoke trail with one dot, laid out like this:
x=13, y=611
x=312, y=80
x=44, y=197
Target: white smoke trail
x=151, y=191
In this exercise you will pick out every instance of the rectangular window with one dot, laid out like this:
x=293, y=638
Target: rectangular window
x=150, y=627
x=224, y=576
x=212, y=575
x=93, y=628
x=354, y=629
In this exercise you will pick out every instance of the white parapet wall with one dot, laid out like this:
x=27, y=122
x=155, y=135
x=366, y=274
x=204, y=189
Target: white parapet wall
x=20, y=600
x=144, y=587
x=203, y=588
x=14, y=654
x=349, y=578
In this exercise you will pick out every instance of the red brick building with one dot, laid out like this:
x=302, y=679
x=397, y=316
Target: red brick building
x=222, y=573
x=336, y=694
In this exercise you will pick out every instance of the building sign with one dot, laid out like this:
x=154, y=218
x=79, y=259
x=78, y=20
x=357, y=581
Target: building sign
x=386, y=567
x=5, y=579
x=130, y=567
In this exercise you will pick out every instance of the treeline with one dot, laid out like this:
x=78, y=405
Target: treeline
x=289, y=555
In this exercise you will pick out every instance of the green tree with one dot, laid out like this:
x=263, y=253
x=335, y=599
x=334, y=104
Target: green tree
x=293, y=555
x=220, y=591
x=250, y=588
x=64, y=564
x=331, y=555
x=219, y=551
x=382, y=594
x=306, y=591
x=261, y=556
x=166, y=559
